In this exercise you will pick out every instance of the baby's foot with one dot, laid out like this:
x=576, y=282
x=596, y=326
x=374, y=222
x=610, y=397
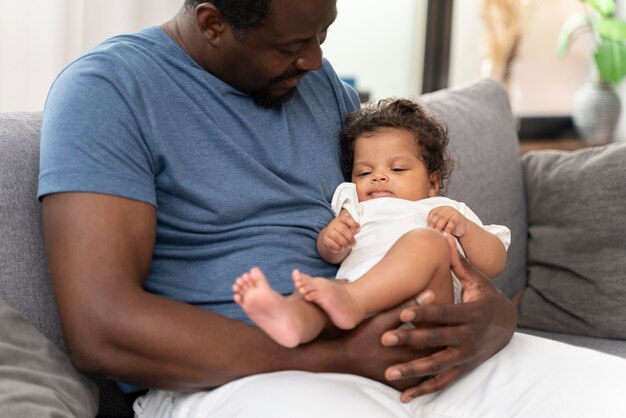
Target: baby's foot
x=332, y=296
x=270, y=310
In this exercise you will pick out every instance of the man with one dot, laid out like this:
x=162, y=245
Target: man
x=178, y=157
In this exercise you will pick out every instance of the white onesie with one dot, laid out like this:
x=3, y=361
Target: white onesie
x=384, y=220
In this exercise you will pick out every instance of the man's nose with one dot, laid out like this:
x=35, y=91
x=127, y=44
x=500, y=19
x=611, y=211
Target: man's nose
x=311, y=58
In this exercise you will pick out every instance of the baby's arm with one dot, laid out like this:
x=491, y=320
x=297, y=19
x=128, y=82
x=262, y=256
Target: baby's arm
x=483, y=249
x=335, y=241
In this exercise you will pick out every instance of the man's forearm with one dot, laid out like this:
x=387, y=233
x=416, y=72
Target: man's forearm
x=170, y=345
x=99, y=250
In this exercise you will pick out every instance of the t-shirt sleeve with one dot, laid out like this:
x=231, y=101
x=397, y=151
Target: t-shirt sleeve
x=351, y=97
x=347, y=96
x=91, y=139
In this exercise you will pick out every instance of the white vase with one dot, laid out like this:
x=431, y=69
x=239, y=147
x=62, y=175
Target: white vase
x=596, y=111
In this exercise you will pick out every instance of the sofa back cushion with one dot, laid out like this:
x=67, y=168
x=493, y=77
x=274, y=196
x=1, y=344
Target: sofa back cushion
x=487, y=177
x=24, y=280
x=487, y=174
x=577, y=244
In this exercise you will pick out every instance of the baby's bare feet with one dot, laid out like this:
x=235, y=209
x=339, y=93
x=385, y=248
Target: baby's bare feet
x=332, y=296
x=270, y=310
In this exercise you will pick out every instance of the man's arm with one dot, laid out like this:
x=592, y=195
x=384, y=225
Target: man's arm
x=471, y=332
x=99, y=250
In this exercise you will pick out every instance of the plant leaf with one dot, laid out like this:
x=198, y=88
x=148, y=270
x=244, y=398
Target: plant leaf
x=610, y=28
x=605, y=7
x=610, y=58
x=573, y=23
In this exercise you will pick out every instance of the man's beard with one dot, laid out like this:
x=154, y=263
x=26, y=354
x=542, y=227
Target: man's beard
x=266, y=99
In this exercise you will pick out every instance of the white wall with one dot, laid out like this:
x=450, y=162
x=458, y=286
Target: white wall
x=381, y=44
x=38, y=38
x=465, y=49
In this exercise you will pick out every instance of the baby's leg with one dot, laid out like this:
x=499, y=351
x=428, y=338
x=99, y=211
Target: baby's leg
x=419, y=260
x=288, y=320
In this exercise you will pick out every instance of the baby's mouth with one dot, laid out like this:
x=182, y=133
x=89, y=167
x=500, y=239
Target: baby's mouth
x=380, y=193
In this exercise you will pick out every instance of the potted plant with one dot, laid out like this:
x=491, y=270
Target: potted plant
x=596, y=106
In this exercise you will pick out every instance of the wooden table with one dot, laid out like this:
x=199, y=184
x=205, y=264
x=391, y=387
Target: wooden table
x=568, y=144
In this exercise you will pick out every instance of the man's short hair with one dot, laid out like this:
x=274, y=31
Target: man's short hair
x=241, y=14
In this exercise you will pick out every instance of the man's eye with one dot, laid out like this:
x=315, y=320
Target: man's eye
x=287, y=52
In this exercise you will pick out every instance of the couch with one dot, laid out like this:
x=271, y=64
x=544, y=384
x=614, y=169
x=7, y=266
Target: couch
x=562, y=269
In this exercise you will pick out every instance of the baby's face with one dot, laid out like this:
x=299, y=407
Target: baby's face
x=387, y=164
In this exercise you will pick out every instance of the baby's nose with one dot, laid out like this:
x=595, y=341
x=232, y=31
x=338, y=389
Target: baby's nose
x=379, y=177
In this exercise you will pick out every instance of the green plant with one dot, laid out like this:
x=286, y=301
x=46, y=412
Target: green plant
x=609, y=36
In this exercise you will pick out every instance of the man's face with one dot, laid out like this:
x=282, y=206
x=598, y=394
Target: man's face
x=268, y=61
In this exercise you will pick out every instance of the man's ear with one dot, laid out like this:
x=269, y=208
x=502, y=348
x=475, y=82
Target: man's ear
x=211, y=23
x=434, y=182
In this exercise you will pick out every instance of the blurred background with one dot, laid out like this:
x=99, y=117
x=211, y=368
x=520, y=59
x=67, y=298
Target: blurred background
x=393, y=48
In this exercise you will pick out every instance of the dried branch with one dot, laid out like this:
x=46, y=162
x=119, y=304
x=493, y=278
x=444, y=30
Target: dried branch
x=504, y=23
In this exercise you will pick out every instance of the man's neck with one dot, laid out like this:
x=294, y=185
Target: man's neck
x=183, y=31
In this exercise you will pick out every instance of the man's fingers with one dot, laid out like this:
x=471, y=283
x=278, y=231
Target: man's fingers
x=439, y=314
x=427, y=297
x=456, y=262
x=434, y=384
x=462, y=269
x=389, y=319
x=423, y=337
x=434, y=364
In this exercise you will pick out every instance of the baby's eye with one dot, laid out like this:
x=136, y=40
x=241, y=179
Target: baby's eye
x=363, y=173
x=398, y=169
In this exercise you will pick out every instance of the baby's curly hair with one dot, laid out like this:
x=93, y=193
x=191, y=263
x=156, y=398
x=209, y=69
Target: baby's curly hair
x=429, y=132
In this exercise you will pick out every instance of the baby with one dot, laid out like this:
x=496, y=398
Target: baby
x=387, y=234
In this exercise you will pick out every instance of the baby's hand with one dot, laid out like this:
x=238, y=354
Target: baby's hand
x=338, y=236
x=448, y=219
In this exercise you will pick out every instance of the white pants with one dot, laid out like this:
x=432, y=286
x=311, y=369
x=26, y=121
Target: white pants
x=532, y=377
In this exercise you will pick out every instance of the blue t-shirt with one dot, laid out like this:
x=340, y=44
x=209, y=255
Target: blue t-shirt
x=235, y=185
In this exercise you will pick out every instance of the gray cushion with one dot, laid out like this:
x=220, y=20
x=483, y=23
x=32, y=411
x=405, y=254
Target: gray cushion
x=24, y=280
x=487, y=174
x=37, y=379
x=577, y=244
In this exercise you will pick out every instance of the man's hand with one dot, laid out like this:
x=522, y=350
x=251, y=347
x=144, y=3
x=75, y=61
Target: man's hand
x=361, y=352
x=470, y=332
x=335, y=241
